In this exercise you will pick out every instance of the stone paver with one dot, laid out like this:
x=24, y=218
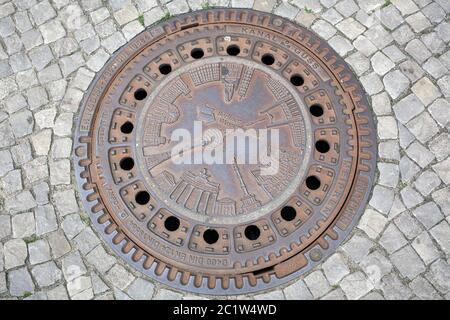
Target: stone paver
x=53, y=49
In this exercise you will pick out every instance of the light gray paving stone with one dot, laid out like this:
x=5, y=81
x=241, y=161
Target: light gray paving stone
x=21, y=153
x=387, y=127
x=317, y=284
x=96, y=62
x=335, y=268
x=427, y=182
x=439, y=276
x=359, y=63
x=23, y=225
x=100, y=259
x=73, y=266
x=5, y=226
x=357, y=247
x=406, y=7
x=408, y=169
x=351, y=28
x=36, y=169
x=426, y=91
x=39, y=251
x=126, y=14
x=143, y=290
x=41, y=191
x=19, y=62
x=65, y=46
x=106, y=28
x=371, y=83
x=31, y=39
x=63, y=124
x=52, y=31
x=22, y=201
x=65, y=202
x=71, y=63
x=423, y=127
x=113, y=42
x=397, y=207
x=61, y=148
x=392, y=239
x=41, y=142
x=132, y=29
x=443, y=170
x=58, y=243
x=3, y=287
x=11, y=182
x=390, y=17
x=441, y=233
x=382, y=199
x=22, y=21
x=40, y=57
x=420, y=154
x=22, y=122
x=323, y=29
x=433, y=42
x=42, y=12
x=395, y=83
x=86, y=241
x=6, y=27
x=49, y=74
x=394, y=54
x=408, y=108
x=13, y=44
x=394, y=289
x=442, y=199
x=445, y=59
x=37, y=97
x=72, y=100
x=428, y=214
x=373, y=295
x=15, y=252
x=389, y=174
x=444, y=85
x=90, y=44
x=403, y=34
x=164, y=294
x=72, y=225
x=364, y=45
x=80, y=288
x=58, y=293
x=440, y=111
x=45, y=219
x=99, y=15
x=423, y=289
x=418, y=50
x=425, y=248
x=356, y=285
x=435, y=68
x=332, y=16
x=379, y=36
x=336, y=294
x=347, y=7
x=381, y=104
x=20, y=282
x=98, y=285
x=6, y=162
x=376, y=266
x=297, y=291
x=372, y=223
x=440, y=146
x=45, y=118
x=119, y=277
x=46, y=274
x=60, y=172
x=408, y=262
x=408, y=225
x=341, y=45
x=152, y=16
x=418, y=22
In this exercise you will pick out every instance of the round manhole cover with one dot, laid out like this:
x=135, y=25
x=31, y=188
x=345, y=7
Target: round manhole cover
x=225, y=151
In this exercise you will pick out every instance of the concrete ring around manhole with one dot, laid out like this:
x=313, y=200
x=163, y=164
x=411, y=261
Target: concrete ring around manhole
x=225, y=151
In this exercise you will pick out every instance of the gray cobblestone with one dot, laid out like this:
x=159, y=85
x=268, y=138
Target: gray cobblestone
x=425, y=247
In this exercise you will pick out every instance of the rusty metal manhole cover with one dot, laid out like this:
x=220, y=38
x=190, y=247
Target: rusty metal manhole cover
x=228, y=228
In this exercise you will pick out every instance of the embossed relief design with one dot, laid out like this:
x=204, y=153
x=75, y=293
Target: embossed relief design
x=251, y=100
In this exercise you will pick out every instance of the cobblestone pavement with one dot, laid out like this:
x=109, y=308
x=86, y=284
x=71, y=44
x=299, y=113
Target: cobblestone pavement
x=50, y=51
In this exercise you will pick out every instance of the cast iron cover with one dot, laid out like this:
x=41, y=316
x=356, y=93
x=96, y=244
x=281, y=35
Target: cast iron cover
x=225, y=228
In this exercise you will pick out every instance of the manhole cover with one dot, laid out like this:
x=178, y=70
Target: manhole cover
x=215, y=223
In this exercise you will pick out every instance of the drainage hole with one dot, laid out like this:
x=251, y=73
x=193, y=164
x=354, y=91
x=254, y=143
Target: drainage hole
x=233, y=50
x=297, y=80
x=316, y=110
x=140, y=94
x=197, y=53
x=288, y=213
x=252, y=232
x=268, y=59
x=126, y=163
x=210, y=236
x=322, y=146
x=165, y=68
x=142, y=197
x=172, y=223
x=127, y=127
x=313, y=183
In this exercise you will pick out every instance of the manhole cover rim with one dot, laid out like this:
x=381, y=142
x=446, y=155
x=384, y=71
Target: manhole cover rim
x=246, y=287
